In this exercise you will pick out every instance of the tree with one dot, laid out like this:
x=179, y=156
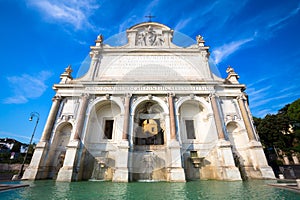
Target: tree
x=281, y=130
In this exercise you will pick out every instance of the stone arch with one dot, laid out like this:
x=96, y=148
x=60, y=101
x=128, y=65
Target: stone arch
x=149, y=124
x=239, y=140
x=237, y=135
x=58, y=148
x=100, y=112
x=193, y=119
x=98, y=100
x=201, y=100
x=153, y=98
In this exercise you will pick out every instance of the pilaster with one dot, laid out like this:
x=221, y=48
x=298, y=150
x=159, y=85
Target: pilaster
x=126, y=116
x=172, y=117
x=217, y=117
x=51, y=118
x=249, y=127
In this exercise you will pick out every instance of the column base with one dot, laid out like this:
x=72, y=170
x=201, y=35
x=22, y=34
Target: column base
x=176, y=175
x=227, y=166
x=68, y=172
x=231, y=173
x=35, y=170
x=120, y=175
x=259, y=161
x=175, y=171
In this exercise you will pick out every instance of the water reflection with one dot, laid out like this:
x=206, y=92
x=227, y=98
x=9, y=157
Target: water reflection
x=158, y=190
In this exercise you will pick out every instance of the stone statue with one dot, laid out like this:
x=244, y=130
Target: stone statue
x=100, y=38
x=230, y=70
x=232, y=77
x=199, y=39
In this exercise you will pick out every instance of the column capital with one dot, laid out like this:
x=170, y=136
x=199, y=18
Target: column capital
x=213, y=95
x=85, y=95
x=57, y=98
x=171, y=94
x=242, y=96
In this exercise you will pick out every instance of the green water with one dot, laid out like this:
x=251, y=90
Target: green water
x=159, y=190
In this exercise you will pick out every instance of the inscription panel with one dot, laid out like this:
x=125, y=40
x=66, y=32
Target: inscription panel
x=149, y=88
x=152, y=67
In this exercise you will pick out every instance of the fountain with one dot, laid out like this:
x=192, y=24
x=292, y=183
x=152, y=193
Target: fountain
x=147, y=166
x=99, y=170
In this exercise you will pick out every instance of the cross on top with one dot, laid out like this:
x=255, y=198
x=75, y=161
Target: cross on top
x=150, y=17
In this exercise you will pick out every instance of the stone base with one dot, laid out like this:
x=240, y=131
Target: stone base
x=259, y=173
x=259, y=161
x=67, y=172
x=227, y=166
x=231, y=174
x=35, y=170
x=267, y=172
x=176, y=175
x=120, y=175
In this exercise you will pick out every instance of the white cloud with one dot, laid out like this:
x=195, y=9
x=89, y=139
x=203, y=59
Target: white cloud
x=222, y=52
x=278, y=23
x=265, y=101
x=75, y=13
x=151, y=6
x=264, y=112
x=182, y=23
x=258, y=94
x=27, y=87
x=20, y=137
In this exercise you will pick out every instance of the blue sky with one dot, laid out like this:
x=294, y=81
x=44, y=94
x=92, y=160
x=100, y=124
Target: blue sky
x=40, y=38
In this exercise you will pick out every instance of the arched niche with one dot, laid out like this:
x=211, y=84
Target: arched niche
x=58, y=147
x=103, y=122
x=149, y=124
x=193, y=121
x=237, y=136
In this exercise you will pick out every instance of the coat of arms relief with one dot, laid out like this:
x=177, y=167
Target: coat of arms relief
x=149, y=37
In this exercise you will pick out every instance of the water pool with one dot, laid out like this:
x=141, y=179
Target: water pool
x=47, y=189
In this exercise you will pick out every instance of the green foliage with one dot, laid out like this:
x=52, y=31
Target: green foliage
x=17, y=147
x=281, y=130
x=293, y=111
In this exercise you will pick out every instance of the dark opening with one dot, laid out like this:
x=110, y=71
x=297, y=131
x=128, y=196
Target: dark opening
x=108, y=129
x=190, y=130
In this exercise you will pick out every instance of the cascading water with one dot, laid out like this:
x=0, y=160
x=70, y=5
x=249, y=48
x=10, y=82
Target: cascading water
x=148, y=162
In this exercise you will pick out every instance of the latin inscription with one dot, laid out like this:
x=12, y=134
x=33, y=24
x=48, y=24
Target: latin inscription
x=150, y=88
x=152, y=66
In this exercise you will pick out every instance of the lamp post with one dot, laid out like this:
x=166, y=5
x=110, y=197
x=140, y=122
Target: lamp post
x=37, y=115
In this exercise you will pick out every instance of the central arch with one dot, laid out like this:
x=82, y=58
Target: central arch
x=149, y=138
x=149, y=124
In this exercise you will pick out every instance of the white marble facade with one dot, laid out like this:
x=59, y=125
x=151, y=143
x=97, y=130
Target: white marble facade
x=149, y=110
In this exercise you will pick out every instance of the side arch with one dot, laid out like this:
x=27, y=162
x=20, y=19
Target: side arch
x=101, y=110
x=116, y=100
x=194, y=118
x=58, y=148
x=201, y=100
x=237, y=135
